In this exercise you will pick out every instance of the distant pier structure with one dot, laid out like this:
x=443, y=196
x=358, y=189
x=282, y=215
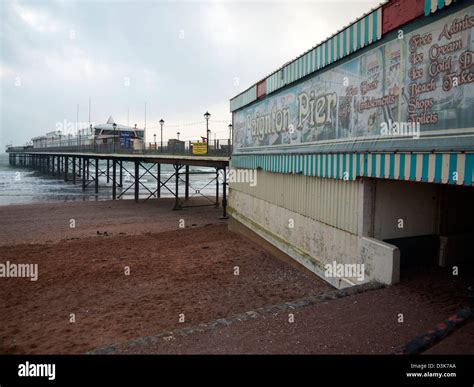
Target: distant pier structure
x=81, y=165
x=361, y=150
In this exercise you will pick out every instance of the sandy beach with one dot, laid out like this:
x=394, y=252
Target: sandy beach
x=183, y=277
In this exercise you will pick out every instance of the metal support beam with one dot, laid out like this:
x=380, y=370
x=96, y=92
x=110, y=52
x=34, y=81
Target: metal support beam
x=224, y=195
x=66, y=168
x=96, y=175
x=186, y=183
x=108, y=168
x=114, y=180
x=158, y=180
x=73, y=170
x=83, y=173
x=217, y=187
x=137, y=179
x=176, y=201
x=121, y=174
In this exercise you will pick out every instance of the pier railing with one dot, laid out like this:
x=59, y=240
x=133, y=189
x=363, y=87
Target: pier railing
x=221, y=148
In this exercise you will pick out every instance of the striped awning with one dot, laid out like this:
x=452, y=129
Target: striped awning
x=244, y=98
x=431, y=6
x=444, y=168
x=364, y=31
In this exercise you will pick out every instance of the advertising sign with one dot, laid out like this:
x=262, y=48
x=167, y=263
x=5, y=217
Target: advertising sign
x=199, y=148
x=421, y=82
x=124, y=138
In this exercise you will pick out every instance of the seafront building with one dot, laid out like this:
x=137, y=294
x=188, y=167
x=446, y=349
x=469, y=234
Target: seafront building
x=363, y=145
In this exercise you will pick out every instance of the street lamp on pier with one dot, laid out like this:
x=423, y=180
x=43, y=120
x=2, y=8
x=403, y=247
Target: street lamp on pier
x=230, y=138
x=161, y=124
x=207, y=115
x=115, y=128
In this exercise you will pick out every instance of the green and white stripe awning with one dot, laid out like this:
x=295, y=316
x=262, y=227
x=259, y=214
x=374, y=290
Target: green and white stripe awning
x=431, y=6
x=444, y=168
x=363, y=32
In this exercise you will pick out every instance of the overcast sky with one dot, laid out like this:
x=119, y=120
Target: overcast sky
x=180, y=58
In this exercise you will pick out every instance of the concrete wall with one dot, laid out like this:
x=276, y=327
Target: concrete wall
x=316, y=222
x=412, y=205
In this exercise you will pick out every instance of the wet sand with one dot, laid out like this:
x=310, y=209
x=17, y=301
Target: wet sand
x=182, y=277
x=178, y=277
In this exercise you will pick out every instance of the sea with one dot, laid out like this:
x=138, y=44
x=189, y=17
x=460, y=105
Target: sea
x=19, y=185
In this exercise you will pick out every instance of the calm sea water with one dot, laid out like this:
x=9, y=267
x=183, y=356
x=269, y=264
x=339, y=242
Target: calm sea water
x=20, y=185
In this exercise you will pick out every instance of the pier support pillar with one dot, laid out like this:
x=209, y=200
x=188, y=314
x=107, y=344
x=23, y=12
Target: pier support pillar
x=87, y=169
x=96, y=180
x=59, y=166
x=121, y=173
x=224, y=195
x=136, y=181
x=108, y=168
x=83, y=173
x=186, y=185
x=217, y=187
x=176, y=201
x=74, y=170
x=158, y=180
x=114, y=179
x=66, y=168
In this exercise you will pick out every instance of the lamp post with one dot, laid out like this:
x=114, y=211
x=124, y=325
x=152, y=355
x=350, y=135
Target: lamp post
x=177, y=134
x=115, y=127
x=161, y=124
x=207, y=115
x=230, y=138
x=154, y=137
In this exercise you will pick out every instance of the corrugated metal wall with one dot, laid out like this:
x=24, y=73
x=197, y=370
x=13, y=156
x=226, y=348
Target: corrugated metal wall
x=334, y=202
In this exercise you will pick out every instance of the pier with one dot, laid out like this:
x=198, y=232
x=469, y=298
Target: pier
x=81, y=165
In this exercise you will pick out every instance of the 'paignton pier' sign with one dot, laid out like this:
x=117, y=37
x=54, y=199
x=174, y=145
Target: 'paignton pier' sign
x=423, y=79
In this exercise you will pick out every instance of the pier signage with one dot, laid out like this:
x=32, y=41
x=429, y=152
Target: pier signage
x=199, y=148
x=419, y=82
